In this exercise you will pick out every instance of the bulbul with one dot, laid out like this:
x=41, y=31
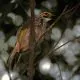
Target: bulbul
x=22, y=43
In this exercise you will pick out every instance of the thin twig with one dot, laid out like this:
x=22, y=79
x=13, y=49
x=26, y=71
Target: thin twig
x=30, y=72
x=15, y=65
x=59, y=70
x=74, y=8
x=53, y=24
x=58, y=40
x=48, y=29
x=53, y=50
x=19, y=2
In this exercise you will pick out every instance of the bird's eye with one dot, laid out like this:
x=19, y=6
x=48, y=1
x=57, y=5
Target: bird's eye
x=45, y=14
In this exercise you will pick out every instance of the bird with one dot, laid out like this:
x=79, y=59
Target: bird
x=23, y=33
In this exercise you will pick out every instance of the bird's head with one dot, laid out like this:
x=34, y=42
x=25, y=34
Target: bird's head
x=47, y=16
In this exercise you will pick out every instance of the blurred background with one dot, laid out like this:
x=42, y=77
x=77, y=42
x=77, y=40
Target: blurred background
x=63, y=64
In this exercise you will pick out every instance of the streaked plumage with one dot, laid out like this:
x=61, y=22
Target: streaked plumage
x=22, y=43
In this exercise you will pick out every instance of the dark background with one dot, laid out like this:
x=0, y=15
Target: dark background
x=23, y=5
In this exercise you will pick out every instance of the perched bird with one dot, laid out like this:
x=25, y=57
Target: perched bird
x=22, y=43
